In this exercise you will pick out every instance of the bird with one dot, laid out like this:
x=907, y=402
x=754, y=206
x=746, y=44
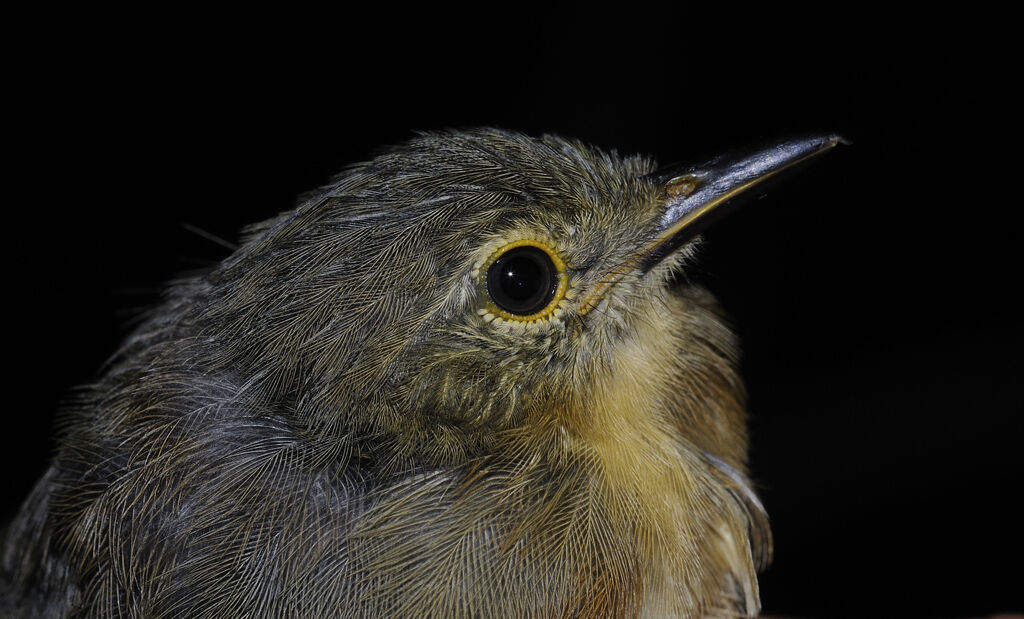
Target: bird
x=468, y=377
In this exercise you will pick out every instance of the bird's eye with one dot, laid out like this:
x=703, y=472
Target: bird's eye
x=522, y=281
x=525, y=280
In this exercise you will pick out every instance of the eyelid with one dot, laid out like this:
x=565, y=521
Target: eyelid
x=553, y=309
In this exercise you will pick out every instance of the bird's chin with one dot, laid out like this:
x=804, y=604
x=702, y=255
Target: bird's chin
x=672, y=272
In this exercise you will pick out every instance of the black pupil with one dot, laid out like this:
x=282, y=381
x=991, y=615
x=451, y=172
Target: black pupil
x=522, y=281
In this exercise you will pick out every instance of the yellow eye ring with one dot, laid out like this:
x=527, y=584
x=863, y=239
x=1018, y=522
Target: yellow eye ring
x=523, y=281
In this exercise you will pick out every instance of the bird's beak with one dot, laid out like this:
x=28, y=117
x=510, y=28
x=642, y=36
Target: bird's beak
x=696, y=195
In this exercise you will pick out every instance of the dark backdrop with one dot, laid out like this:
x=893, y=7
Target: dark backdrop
x=875, y=293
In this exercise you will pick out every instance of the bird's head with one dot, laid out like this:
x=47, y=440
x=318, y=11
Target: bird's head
x=473, y=292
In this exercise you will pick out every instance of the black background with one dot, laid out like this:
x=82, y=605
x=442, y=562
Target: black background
x=875, y=293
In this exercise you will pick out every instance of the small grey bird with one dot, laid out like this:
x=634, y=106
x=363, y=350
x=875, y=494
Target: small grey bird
x=465, y=379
